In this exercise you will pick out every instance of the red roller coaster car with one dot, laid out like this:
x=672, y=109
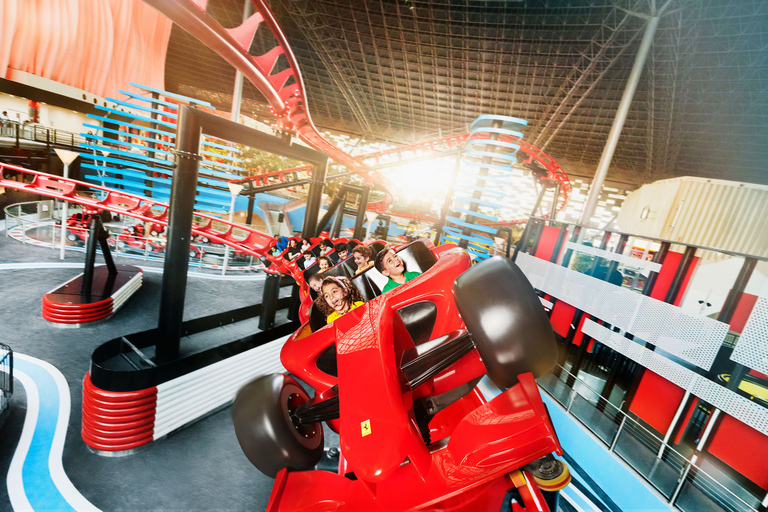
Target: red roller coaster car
x=133, y=240
x=79, y=223
x=396, y=378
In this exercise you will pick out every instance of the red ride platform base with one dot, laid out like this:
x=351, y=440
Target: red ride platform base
x=66, y=306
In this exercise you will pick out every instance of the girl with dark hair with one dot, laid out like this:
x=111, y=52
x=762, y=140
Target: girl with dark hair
x=338, y=296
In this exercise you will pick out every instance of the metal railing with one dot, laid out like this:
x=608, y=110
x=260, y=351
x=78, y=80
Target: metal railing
x=6, y=376
x=40, y=133
x=44, y=216
x=678, y=478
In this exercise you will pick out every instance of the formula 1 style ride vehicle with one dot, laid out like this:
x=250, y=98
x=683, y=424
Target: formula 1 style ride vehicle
x=397, y=379
x=78, y=225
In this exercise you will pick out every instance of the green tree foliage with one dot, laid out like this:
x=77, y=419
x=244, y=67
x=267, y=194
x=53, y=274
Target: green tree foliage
x=257, y=161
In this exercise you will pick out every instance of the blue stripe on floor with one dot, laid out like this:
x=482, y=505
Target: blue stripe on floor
x=36, y=478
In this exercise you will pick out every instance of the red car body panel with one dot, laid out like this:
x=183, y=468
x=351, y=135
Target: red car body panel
x=475, y=443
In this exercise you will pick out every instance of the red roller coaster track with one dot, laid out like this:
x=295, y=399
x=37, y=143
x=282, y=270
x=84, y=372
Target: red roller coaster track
x=287, y=101
x=436, y=146
x=287, y=98
x=250, y=240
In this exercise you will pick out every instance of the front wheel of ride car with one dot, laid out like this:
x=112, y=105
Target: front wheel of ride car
x=506, y=320
x=267, y=434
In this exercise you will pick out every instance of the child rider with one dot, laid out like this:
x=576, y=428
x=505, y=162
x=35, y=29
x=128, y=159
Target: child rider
x=392, y=266
x=342, y=251
x=315, y=282
x=324, y=263
x=362, y=256
x=339, y=297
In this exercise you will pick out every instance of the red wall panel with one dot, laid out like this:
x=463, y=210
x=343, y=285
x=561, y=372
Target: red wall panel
x=578, y=335
x=686, y=280
x=547, y=242
x=743, y=448
x=656, y=401
x=667, y=275
x=561, y=317
x=743, y=310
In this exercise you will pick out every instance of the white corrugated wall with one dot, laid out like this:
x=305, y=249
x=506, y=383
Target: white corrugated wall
x=714, y=213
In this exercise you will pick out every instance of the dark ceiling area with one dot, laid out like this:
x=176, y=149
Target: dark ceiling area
x=411, y=70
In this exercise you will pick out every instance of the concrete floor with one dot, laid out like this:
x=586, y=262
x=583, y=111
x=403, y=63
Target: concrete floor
x=198, y=468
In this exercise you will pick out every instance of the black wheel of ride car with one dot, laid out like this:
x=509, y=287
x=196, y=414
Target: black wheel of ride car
x=192, y=253
x=267, y=434
x=506, y=320
x=121, y=245
x=72, y=237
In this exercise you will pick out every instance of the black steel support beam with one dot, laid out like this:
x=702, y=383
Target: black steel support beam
x=360, y=219
x=269, y=299
x=180, y=214
x=314, y=200
x=336, y=230
x=192, y=123
x=336, y=204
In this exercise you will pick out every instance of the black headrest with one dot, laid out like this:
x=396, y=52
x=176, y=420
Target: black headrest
x=317, y=319
x=376, y=247
x=419, y=319
x=417, y=256
x=349, y=263
x=367, y=289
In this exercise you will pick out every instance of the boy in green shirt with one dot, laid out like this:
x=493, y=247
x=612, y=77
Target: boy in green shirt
x=392, y=266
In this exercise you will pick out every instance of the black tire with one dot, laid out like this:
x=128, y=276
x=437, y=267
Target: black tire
x=72, y=237
x=507, y=322
x=192, y=253
x=265, y=430
x=121, y=245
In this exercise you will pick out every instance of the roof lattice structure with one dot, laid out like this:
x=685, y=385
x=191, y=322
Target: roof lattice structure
x=410, y=70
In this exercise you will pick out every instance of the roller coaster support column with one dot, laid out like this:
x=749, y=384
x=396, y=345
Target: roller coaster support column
x=360, y=220
x=522, y=244
x=336, y=230
x=314, y=200
x=181, y=211
x=67, y=157
x=269, y=300
x=251, y=201
x=96, y=234
x=621, y=115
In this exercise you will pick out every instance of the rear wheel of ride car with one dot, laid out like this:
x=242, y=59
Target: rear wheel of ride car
x=267, y=434
x=72, y=237
x=506, y=320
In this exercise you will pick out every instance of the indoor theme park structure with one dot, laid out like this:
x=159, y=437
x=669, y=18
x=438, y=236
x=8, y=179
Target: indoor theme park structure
x=426, y=396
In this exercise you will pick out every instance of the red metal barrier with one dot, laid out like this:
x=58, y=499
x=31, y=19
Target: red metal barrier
x=117, y=421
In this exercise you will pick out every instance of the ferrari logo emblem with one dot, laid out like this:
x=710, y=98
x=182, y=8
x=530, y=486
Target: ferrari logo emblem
x=365, y=427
